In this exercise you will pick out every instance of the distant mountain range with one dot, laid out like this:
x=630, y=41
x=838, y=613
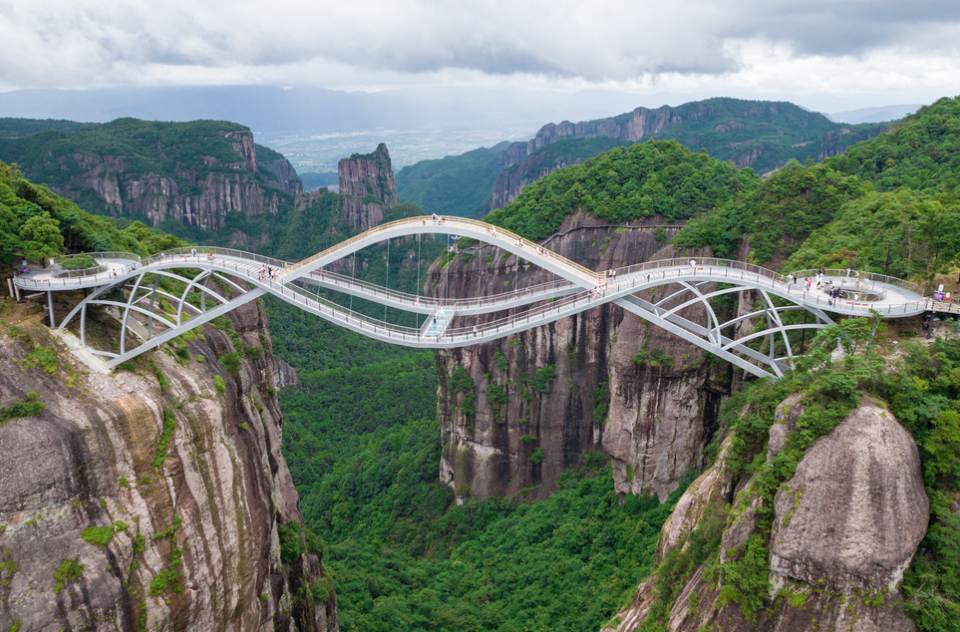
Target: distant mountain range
x=762, y=135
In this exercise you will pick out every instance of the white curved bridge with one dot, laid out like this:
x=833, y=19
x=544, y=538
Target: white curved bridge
x=126, y=282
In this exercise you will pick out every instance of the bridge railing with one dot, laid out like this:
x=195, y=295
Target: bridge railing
x=739, y=270
x=580, y=299
x=494, y=231
x=344, y=281
x=338, y=312
x=62, y=279
x=871, y=277
x=203, y=251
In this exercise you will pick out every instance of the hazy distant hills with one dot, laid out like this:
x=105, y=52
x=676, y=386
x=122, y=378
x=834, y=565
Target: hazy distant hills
x=309, y=110
x=762, y=135
x=874, y=115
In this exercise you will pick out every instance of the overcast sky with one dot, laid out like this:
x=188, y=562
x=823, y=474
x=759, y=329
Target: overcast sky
x=827, y=55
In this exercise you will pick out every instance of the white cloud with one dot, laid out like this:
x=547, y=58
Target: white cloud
x=793, y=46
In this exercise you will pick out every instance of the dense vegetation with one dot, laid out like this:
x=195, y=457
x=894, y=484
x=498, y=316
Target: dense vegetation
x=35, y=223
x=454, y=185
x=887, y=205
x=19, y=127
x=922, y=152
x=657, y=178
x=406, y=558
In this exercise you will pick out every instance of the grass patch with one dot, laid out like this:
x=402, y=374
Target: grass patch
x=21, y=408
x=219, y=383
x=44, y=357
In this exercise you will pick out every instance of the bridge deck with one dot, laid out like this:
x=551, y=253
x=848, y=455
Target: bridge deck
x=578, y=289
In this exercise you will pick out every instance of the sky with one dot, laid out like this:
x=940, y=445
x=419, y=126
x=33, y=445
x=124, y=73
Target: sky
x=826, y=55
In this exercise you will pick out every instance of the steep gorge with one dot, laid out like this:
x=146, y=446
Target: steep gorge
x=602, y=380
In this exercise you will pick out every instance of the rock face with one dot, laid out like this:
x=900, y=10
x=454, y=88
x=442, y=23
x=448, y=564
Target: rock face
x=855, y=511
x=528, y=170
x=198, y=192
x=189, y=481
x=846, y=526
x=367, y=188
x=545, y=396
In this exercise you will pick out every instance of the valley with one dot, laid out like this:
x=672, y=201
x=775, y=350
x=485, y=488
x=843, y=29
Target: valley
x=592, y=472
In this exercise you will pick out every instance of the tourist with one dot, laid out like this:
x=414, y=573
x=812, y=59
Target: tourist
x=693, y=265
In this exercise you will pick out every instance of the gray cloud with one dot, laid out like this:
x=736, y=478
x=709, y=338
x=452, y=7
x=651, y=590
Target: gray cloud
x=70, y=43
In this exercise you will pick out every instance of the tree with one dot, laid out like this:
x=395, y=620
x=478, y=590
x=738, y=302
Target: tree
x=41, y=237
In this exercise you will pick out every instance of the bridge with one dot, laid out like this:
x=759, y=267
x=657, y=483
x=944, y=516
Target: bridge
x=130, y=284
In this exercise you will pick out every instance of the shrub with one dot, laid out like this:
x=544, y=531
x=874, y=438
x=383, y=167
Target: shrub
x=98, y=536
x=291, y=544
x=161, y=378
x=68, y=571
x=169, y=423
x=20, y=408
x=495, y=394
x=543, y=377
x=219, y=383
x=231, y=362
x=537, y=456
x=321, y=589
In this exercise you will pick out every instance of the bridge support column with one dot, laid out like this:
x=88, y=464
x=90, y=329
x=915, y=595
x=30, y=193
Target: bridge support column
x=83, y=326
x=53, y=319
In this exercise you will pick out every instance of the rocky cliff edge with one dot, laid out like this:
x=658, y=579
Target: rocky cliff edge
x=154, y=498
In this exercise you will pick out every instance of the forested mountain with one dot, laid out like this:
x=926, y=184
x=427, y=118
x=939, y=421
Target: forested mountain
x=189, y=174
x=762, y=135
x=888, y=205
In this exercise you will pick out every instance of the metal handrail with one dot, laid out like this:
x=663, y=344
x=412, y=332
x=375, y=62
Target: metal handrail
x=342, y=280
x=490, y=229
x=663, y=269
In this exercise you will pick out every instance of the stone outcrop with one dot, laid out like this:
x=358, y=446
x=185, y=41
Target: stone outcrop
x=367, y=189
x=855, y=511
x=573, y=386
x=199, y=191
x=528, y=170
x=128, y=506
x=632, y=126
x=369, y=174
x=846, y=526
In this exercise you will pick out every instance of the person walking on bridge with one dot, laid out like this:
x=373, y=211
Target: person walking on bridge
x=693, y=266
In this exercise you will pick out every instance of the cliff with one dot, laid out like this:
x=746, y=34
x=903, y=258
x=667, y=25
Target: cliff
x=194, y=173
x=845, y=528
x=602, y=380
x=155, y=497
x=367, y=187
